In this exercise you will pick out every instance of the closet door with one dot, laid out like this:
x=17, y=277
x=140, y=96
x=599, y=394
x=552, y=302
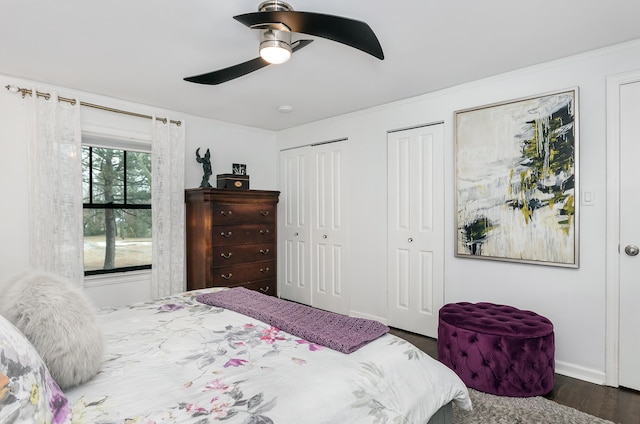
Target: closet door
x=328, y=227
x=293, y=228
x=415, y=228
x=313, y=230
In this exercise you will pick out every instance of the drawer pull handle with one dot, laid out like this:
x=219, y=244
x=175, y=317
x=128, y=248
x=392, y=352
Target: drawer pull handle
x=226, y=235
x=264, y=213
x=226, y=277
x=264, y=289
x=225, y=213
x=264, y=232
x=226, y=256
x=264, y=270
x=264, y=251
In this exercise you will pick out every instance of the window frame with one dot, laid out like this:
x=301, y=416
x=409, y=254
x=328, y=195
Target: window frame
x=114, y=142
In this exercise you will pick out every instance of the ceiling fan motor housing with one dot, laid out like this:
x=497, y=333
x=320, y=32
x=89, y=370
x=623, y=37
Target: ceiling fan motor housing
x=271, y=40
x=274, y=6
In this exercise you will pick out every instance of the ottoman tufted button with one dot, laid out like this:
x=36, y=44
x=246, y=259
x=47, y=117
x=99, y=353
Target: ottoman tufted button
x=497, y=349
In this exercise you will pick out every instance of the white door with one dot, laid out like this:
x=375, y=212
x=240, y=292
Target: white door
x=293, y=227
x=313, y=231
x=415, y=228
x=328, y=227
x=629, y=365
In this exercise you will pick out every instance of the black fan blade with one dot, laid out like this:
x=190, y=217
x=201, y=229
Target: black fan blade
x=236, y=71
x=227, y=74
x=347, y=31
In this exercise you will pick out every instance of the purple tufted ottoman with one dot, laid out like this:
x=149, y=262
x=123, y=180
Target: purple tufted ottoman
x=497, y=349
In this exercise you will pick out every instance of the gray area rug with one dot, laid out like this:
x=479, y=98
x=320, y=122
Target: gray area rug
x=490, y=409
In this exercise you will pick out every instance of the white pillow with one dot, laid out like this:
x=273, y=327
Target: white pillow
x=59, y=321
x=28, y=394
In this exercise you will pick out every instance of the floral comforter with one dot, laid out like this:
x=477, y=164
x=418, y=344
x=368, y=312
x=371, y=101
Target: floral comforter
x=175, y=360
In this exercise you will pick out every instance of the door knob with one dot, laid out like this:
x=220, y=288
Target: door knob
x=632, y=250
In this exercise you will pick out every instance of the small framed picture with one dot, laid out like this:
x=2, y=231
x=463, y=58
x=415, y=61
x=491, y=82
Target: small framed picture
x=239, y=169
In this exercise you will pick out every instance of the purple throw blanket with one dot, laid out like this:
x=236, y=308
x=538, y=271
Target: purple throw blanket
x=339, y=332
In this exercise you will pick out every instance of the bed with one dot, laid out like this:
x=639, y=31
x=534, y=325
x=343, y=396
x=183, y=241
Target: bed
x=177, y=360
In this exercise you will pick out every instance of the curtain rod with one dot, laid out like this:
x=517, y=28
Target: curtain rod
x=25, y=91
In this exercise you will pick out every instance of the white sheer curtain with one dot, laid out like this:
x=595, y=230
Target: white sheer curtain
x=55, y=187
x=167, y=208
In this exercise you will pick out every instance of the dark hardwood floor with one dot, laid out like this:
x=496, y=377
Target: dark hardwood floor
x=618, y=405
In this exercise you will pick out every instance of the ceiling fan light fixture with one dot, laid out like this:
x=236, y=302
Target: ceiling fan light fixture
x=275, y=52
x=275, y=46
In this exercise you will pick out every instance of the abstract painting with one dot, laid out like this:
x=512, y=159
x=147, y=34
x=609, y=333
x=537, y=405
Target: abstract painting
x=517, y=180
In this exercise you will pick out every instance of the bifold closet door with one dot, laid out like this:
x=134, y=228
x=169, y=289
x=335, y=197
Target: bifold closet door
x=329, y=234
x=294, y=269
x=313, y=227
x=415, y=228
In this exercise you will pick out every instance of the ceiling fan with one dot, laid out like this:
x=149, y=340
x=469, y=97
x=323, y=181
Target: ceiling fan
x=276, y=21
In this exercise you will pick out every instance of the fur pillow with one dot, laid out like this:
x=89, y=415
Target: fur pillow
x=59, y=321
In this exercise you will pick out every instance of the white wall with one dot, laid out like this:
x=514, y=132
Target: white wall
x=574, y=299
x=229, y=143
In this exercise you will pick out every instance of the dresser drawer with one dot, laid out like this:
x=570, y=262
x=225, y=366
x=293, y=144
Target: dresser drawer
x=238, y=213
x=234, y=254
x=234, y=275
x=269, y=287
x=225, y=235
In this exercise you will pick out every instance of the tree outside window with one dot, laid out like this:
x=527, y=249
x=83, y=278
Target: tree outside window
x=117, y=210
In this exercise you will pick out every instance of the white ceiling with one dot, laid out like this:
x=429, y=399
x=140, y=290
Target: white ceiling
x=139, y=50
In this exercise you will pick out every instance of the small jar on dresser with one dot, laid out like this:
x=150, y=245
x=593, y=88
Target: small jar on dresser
x=231, y=239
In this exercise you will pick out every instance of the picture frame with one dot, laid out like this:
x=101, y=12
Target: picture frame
x=239, y=169
x=516, y=180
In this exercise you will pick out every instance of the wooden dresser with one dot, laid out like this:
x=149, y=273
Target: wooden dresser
x=231, y=239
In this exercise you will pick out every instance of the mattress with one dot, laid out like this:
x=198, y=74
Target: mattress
x=176, y=360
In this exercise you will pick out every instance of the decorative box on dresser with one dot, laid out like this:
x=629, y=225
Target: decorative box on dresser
x=231, y=239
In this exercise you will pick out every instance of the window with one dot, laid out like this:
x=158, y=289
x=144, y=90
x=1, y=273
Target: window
x=116, y=187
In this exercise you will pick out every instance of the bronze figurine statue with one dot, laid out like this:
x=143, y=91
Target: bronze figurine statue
x=206, y=167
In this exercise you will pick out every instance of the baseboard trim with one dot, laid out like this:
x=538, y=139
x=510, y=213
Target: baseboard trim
x=581, y=373
x=356, y=314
